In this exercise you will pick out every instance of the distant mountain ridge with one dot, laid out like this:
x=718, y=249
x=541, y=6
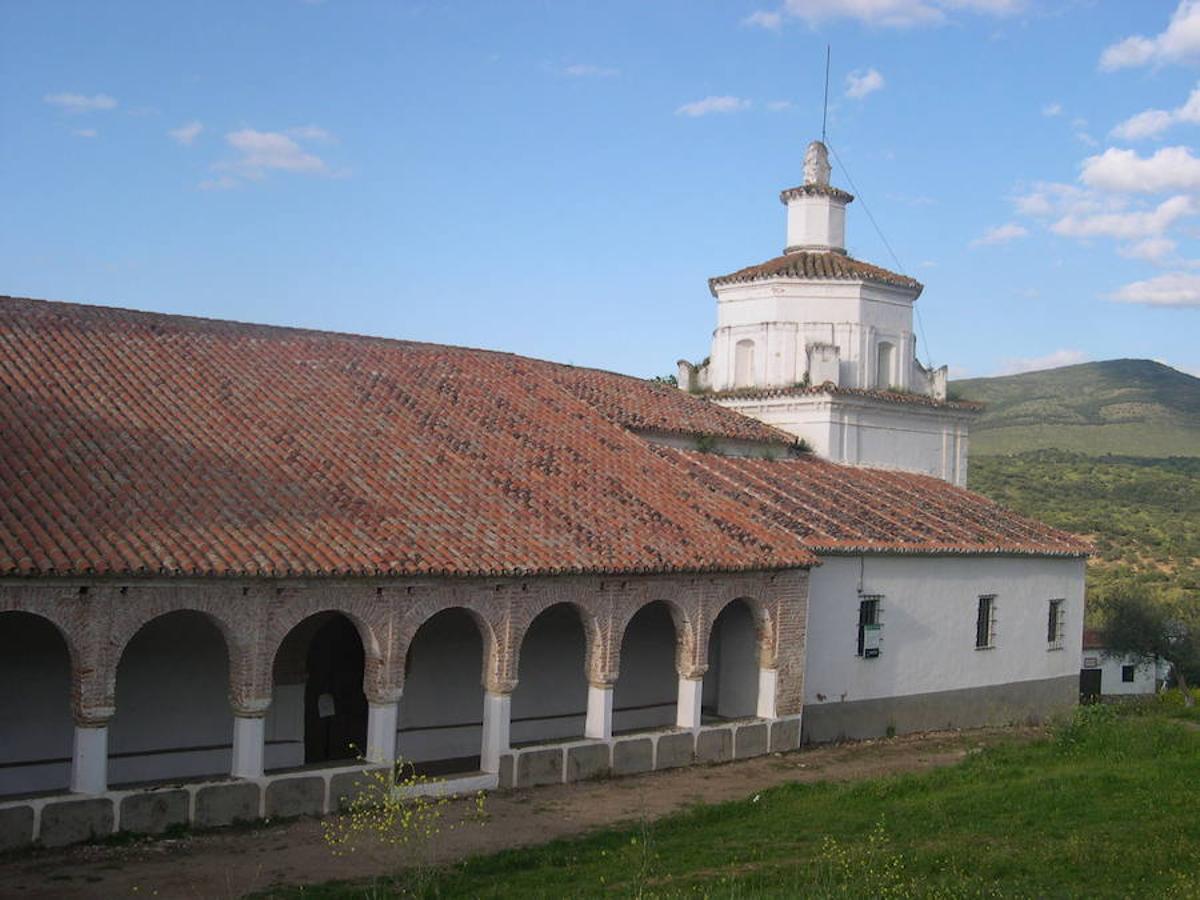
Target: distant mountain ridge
x=1133, y=407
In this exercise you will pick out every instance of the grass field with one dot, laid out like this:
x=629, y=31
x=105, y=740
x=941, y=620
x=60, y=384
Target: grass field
x=1107, y=805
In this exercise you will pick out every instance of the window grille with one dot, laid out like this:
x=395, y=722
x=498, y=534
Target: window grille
x=1055, y=625
x=1127, y=673
x=985, y=623
x=869, y=626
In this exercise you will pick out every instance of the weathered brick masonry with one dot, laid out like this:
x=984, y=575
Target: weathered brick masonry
x=97, y=620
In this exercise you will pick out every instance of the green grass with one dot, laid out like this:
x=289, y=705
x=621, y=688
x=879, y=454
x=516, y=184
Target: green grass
x=1107, y=806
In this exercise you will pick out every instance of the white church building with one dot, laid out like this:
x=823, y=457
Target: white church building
x=240, y=563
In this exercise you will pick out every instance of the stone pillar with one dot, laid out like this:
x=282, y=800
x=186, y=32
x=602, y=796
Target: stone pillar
x=249, y=745
x=89, y=760
x=766, y=693
x=382, y=719
x=497, y=716
x=599, y=712
x=687, y=710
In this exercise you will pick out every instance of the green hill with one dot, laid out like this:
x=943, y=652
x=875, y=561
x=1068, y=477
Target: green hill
x=1131, y=407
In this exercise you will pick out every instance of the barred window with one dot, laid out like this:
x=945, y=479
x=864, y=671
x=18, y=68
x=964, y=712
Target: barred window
x=1055, y=624
x=985, y=623
x=868, y=626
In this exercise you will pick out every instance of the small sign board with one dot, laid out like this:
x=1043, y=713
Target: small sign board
x=872, y=637
x=1091, y=662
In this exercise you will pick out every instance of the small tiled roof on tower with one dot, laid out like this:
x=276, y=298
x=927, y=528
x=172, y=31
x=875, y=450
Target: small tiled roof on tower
x=816, y=265
x=145, y=444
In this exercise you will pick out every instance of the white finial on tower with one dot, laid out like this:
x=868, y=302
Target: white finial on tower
x=816, y=164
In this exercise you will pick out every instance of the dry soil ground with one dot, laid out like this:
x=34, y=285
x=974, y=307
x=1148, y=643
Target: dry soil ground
x=231, y=863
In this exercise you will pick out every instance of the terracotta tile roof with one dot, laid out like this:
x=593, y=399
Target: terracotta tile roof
x=661, y=408
x=137, y=443
x=847, y=509
x=816, y=265
x=901, y=397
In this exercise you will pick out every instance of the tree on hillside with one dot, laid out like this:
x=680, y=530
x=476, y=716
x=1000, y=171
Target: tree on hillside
x=1137, y=626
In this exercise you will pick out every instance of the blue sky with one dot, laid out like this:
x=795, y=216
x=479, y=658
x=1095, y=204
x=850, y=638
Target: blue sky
x=560, y=178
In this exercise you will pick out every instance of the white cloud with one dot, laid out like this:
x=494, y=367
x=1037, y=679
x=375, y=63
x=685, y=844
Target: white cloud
x=85, y=132
x=1001, y=234
x=709, y=105
x=1143, y=125
x=1169, y=169
x=1155, y=121
x=1018, y=364
x=859, y=84
x=310, y=133
x=895, y=13
x=1170, y=289
x=78, y=103
x=1050, y=110
x=582, y=70
x=263, y=152
x=772, y=21
x=1179, y=43
x=1151, y=249
x=186, y=134
x=1128, y=224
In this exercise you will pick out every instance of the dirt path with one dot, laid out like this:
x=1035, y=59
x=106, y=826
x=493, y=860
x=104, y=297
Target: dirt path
x=235, y=862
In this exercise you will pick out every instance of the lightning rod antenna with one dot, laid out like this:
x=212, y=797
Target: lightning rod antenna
x=825, y=105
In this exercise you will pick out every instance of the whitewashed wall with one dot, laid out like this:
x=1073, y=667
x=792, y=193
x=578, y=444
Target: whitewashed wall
x=784, y=316
x=928, y=614
x=1145, y=678
x=861, y=432
x=35, y=707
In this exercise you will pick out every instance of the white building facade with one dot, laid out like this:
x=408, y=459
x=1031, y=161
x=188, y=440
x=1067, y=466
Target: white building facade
x=821, y=345
x=926, y=665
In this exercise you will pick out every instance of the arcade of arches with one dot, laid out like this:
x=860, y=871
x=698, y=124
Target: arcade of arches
x=114, y=684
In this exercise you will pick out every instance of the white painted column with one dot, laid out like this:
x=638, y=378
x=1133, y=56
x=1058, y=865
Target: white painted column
x=382, y=719
x=497, y=716
x=767, y=679
x=599, y=712
x=89, y=760
x=249, y=746
x=687, y=710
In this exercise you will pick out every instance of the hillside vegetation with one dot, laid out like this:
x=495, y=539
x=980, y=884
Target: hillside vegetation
x=1128, y=407
x=1143, y=514
x=1109, y=450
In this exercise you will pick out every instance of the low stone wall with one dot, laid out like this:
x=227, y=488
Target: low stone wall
x=998, y=704
x=646, y=752
x=61, y=819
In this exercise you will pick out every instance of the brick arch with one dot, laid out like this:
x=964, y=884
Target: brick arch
x=368, y=622
x=65, y=632
x=687, y=663
x=764, y=628
x=497, y=674
x=594, y=649
x=130, y=618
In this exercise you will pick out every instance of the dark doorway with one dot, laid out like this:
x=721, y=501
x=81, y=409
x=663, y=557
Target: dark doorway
x=335, y=708
x=1089, y=685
